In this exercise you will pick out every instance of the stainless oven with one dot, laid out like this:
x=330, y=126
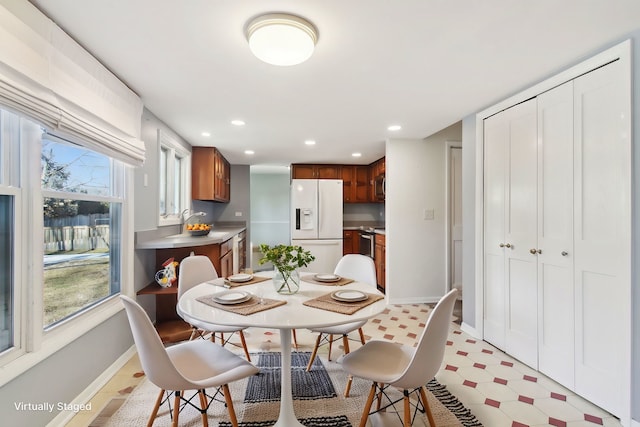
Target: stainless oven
x=367, y=243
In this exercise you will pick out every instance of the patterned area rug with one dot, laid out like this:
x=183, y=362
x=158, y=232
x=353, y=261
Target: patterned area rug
x=317, y=399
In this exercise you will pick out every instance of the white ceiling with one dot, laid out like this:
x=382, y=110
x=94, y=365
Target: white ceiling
x=423, y=64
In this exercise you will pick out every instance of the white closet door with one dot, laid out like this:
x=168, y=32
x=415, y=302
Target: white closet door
x=510, y=308
x=496, y=133
x=602, y=236
x=555, y=234
x=521, y=339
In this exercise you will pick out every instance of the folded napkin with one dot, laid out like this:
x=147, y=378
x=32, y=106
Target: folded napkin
x=325, y=302
x=309, y=278
x=251, y=306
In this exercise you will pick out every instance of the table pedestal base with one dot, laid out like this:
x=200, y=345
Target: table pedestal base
x=287, y=417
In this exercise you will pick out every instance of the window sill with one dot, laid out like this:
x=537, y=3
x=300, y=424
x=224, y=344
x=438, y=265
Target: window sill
x=59, y=337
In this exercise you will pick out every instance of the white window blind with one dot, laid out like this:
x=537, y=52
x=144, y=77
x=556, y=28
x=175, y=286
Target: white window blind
x=45, y=74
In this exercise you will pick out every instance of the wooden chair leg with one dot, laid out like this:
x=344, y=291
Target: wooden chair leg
x=194, y=332
x=176, y=408
x=379, y=403
x=367, y=406
x=425, y=403
x=229, y=402
x=154, y=413
x=295, y=339
x=407, y=409
x=347, y=389
x=203, y=406
x=345, y=343
x=244, y=345
x=361, y=332
x=314, y=352
x=330, y=344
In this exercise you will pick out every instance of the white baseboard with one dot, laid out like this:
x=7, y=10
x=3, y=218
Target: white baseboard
x=83, y=398
x=470, y=330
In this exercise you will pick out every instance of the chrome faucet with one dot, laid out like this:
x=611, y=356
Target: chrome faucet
x=184, y=220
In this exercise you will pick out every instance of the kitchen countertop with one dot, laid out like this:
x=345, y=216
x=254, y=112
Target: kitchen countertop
x=372, y=228
x=216, y=236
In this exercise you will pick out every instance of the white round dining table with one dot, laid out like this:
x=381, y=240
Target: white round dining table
x=286, y=317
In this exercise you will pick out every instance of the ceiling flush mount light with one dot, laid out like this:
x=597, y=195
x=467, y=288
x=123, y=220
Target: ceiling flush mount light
x=281, y=39
x=394, y=127
x=237, y=122
x=310, y=142
x=356, y=154
x=249, y=152
x=206, y=134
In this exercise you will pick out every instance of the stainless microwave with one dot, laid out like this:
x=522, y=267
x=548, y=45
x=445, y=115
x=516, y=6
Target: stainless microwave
x=379, y=186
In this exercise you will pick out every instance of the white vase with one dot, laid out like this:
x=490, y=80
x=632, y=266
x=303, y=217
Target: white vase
x=287, y=284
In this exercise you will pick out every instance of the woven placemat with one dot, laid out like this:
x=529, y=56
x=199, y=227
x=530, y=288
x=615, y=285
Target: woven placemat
x=325, y=302
x=343, y=281
x=251, y=306
x=254, y=280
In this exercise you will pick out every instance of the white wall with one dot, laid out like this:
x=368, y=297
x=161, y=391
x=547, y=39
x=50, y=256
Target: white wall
x=468, y=221
x=416, y=259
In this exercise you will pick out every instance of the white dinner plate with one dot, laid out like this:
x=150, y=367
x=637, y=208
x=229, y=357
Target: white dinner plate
x=231, y=297
x=239, y=278
x=347, y=295
x=326, y=277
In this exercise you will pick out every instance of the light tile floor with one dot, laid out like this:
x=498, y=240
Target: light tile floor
x=499, y=390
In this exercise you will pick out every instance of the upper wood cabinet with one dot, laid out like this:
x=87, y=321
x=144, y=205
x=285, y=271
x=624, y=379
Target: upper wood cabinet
x=210, y=175
x=313, y=171
x=378, y=167
x=355, y=180
x=358, y=180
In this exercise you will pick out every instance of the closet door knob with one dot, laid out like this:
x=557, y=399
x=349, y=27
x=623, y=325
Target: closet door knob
x=508, y=245
x=564, y=253
x=501, y=245
x=533, y=251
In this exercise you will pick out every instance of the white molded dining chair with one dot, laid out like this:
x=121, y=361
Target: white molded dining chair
x=362, y=269
x=403, y=367
x=196, y=269
x=191, y=365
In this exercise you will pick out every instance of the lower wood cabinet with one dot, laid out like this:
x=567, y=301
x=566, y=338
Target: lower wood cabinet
x=350, y=242
x=379, y=259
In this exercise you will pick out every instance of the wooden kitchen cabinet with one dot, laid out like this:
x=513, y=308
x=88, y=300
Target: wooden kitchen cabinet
x=379, y=259
x=226, y=259
x=355, y=180
x=376, y=169
x=171, y=328
x=350, y=242
x=210, y=175
x=315, y=171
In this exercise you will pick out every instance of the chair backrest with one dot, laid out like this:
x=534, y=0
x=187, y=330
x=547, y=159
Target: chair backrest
x=154, y=359
x=357, y=267
x=194, y=270
x=429, y=353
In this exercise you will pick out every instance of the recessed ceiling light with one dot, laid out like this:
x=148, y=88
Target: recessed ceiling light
x=249, y=152
x=206, y=134
x=310, y=142
x=356, y=154
x=394, y=127
x=237, y=122
x=281, y=39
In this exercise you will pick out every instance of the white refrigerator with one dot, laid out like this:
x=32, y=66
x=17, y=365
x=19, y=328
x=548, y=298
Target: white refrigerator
x=316, y=221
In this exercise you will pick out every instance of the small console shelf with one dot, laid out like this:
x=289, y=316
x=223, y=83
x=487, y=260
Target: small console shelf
x=169, y=325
